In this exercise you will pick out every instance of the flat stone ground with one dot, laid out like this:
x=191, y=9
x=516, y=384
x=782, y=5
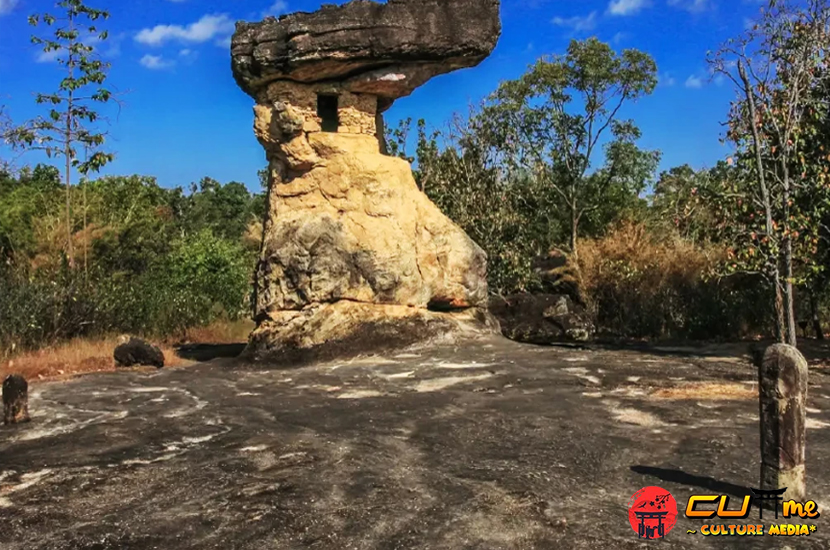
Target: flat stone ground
x=486, y=445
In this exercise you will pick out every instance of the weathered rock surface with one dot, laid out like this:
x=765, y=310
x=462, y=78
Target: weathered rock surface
x=558, y=275
x=542, y=318
x=354, y=255
x=135, y=351
x=783, y=380
x=386, y=49
x=347, y=329
x=15, y=399
x=352, y=245
x=488, y=446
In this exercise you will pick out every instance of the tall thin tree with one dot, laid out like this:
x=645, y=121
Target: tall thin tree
x=72, y=117
x=775, y=65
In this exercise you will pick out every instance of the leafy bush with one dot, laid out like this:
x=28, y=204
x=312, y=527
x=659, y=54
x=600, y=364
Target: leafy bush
x=149, y=260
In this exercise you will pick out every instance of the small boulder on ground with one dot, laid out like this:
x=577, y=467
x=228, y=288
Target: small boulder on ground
x=135, y=351
x=15, y=399
x=542, y=318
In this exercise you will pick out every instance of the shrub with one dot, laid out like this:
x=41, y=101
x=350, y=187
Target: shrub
x=638, y=284
x=203, y=279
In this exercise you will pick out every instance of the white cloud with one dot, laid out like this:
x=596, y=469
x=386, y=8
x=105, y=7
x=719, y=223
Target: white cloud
x=577, y=23
x=6, y=6
x=619, y=37
x=277, y=8
x=206, y=28
x=666, y=79
x=694, y=82
x=155, y=62
x=48, y=57
x=626, y=7
x=693, y=6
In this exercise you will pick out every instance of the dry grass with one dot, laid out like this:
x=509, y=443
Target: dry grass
x=708, y=391
x=219, y=333
x=632, y=253
x=82, y=356
x=639, y=283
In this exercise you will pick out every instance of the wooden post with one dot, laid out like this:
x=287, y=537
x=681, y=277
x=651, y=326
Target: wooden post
x=782, y=386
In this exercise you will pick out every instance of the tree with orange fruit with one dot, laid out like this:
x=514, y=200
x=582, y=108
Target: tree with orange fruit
x=776, y=193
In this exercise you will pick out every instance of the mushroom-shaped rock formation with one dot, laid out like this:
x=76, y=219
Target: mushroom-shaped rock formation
x=354, y=256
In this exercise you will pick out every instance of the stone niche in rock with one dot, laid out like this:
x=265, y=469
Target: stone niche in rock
x=354, y=257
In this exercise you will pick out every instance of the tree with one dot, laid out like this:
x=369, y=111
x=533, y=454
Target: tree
x=71, y=116
x=550, y=122
x=682, y=200
x=775, y=66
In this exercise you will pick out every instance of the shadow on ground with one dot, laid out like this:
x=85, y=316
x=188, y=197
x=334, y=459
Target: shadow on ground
x=711, y=485
x=208, y=352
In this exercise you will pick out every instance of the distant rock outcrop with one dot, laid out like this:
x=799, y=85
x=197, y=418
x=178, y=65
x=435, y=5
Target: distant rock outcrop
x=542, y=318
x=135, y=351
x=352, y=251
x=15, y=399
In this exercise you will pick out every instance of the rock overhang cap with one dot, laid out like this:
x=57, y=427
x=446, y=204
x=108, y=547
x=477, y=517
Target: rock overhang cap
x=387, y=49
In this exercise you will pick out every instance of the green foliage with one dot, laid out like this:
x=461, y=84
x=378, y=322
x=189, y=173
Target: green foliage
x=71, y=110
x=777, y=66
x=207, y=278
x=160, y=260
x=69, y=107
x=517, y=174
x=551, y=122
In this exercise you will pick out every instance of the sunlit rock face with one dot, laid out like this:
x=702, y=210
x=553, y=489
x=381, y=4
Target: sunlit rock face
x=352, y=250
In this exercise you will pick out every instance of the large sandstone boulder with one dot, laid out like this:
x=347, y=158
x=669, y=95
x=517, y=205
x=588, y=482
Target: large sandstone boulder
x=354, y=256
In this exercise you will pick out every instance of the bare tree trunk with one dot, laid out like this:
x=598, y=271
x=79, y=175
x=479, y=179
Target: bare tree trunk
x=86, y=241
x=789, y=301
x=67, y=151
x=780, y=323
x=574, y=233
x=68, y=173
x=814, y=314
x=773, y=259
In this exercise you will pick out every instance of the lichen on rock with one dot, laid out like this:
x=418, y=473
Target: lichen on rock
x=351, y=247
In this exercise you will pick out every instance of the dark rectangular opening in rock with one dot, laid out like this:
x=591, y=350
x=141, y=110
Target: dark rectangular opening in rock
x=327, y=111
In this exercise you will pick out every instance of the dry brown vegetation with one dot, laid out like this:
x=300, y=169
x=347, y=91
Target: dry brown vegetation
x=640, y=283
x=81, y=356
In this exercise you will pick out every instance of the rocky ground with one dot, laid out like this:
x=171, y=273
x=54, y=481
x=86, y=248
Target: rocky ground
x=489, y=445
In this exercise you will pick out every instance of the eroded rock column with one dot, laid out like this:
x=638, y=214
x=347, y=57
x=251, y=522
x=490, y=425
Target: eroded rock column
x=354, y=257
x=783, y=399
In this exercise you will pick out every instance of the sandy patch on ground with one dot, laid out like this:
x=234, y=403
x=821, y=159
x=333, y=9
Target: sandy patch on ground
x=437, y=384
x=707, y=390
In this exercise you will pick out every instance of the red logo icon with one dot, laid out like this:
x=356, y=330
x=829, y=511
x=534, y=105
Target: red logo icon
x=652, y=512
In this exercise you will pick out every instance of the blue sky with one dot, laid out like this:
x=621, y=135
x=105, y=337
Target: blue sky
x=183, y=117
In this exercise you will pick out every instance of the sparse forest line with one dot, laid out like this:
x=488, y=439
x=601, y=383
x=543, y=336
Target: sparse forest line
x=547, y=161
